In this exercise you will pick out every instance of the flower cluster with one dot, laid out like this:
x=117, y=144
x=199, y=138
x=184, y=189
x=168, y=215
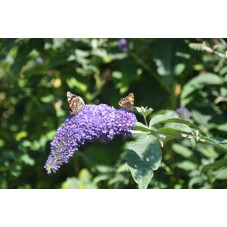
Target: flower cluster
x=123, y=45
x=93, y=122
x=184, y=113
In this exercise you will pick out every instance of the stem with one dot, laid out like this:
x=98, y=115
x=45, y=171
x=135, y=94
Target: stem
x=145, y=120
x=172, y=162
x=210, y=50
x=180, y=135
x=137, y=132
x=76, y=165
x=191, y=137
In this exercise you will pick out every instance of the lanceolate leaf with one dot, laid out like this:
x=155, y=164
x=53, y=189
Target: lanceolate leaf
x=198, y=83
x=142, y=127
x=171, y=133
x=219, y=163
x=143, y=157
x=160, y=119
x=218, y=142
x=143, y=110
x=147, y=112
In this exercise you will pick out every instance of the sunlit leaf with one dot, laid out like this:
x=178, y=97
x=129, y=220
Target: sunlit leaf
x=143, y=157
x=214, y=165
x=182, y=150
x=160, y=119
x=186, y=165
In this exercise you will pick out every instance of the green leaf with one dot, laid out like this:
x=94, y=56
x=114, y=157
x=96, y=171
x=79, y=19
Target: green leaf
x=218, y=142
x=122, y=168
x=221, y=174
x=214, y=165
x=21, y=135
x=144, y=111
x=182, y=150
x=222, y=127
x=27, y=160
x=198, y=83
x=148, y=112
x=179, y=68
x=207, y=151
x=117, y=75
x=160, y=119
x=174, y=132
x=143, y=157
x=195, y=181
x=141, y=127
x=179, y=127
x=71, y=183
x=120, y=177
x=171, y=133
x=82, y=182
x=101, y=177
x=200, y=118
x=75, y=83
x=186, y=165
x=198, y=46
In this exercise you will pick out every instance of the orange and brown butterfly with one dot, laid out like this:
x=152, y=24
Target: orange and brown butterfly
x=127, y=103
x=76, y=103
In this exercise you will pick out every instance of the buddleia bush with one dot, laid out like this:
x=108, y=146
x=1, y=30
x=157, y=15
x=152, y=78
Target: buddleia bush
x=180, y=94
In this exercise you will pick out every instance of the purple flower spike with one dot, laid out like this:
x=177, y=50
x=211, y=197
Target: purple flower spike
x=93, y=122
x=184, y=113
x=123, y=45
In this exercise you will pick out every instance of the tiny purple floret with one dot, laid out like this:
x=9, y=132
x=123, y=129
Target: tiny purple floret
x=184, y=113
x=123, y=45
x=40, y=61
x=93, y=122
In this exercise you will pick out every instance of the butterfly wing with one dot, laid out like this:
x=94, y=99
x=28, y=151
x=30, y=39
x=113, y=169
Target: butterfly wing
x=76, y=103
x=127, y=103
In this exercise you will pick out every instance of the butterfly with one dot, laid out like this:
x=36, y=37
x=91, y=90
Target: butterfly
x=76, y=103
x=127, y=103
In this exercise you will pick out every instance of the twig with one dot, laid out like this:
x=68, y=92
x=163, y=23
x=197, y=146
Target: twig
x=180, y=135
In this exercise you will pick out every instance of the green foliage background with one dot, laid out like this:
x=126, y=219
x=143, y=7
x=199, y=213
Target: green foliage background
x=164, y=74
